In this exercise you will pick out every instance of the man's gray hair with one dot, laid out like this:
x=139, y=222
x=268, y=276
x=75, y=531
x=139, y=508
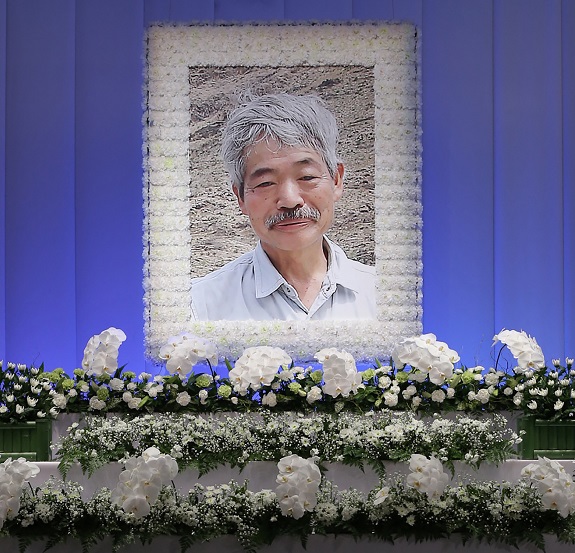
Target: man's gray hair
x=289, y=119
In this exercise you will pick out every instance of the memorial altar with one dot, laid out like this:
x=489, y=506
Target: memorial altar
x=415, y=452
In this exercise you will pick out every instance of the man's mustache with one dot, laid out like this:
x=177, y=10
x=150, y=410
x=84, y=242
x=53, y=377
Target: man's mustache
x=304, y=212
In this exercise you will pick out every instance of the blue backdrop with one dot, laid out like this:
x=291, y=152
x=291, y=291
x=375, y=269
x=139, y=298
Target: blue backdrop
x=498, y=82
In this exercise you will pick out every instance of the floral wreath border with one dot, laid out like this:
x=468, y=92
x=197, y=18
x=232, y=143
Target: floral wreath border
x=392, y=50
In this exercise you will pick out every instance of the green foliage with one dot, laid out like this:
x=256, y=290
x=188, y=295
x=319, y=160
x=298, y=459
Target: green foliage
x=205, y=443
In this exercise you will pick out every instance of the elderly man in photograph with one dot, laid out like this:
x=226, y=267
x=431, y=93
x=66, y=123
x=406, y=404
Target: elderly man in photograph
x=280, y=153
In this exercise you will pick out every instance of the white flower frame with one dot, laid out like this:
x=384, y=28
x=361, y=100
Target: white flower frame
x=392, y=50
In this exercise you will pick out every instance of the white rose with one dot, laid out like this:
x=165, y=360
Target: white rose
x=482, y=396
x=314, y=394
x=438, y=396
x=390, y=399
x=269, y=399
x=117, y=384
x=96, y=404
x=183, y=399
x=491, y=379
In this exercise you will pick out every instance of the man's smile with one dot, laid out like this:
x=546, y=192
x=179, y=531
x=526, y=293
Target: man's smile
x=293, y=223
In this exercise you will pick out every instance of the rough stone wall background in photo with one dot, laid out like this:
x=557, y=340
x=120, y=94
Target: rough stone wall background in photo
x=219, y=231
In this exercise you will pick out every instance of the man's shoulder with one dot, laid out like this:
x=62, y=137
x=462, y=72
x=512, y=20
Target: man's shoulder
x=347, y=264
x=215, y=295
x=228, y=272
x=360, y=267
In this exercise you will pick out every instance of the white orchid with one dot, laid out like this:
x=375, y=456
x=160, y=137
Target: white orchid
x=142, y=480
x=427, y=355
x=14, y=474
x=523, y=347
x=101, y=352
x=257, y=367
x=184, y=351
x=556, y=486
x=299, y=481
x=340, y=373
x=381, y=495
x=427, y=476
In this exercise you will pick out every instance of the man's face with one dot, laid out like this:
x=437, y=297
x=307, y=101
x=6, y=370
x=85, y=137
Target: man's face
x=279, y=179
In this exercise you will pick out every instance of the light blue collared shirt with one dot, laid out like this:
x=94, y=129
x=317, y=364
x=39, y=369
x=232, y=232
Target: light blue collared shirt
x=251, y=288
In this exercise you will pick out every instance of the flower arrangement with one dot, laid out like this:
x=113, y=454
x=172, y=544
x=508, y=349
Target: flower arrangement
x=298, y=484
x=299, y=417
x=205, y=443
x=421, y=505
x=142, y=481
x=421, y=376
x=14, y=475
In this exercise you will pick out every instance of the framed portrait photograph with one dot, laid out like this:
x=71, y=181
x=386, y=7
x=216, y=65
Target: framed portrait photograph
x=367, y=77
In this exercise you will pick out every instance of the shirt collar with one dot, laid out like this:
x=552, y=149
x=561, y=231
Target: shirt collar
x=339, y=268
x=268, y=279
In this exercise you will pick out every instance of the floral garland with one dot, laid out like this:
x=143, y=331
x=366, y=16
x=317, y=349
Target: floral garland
x=421, y=505
x=421, y=377
x=392, y=51
x=208, y=442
